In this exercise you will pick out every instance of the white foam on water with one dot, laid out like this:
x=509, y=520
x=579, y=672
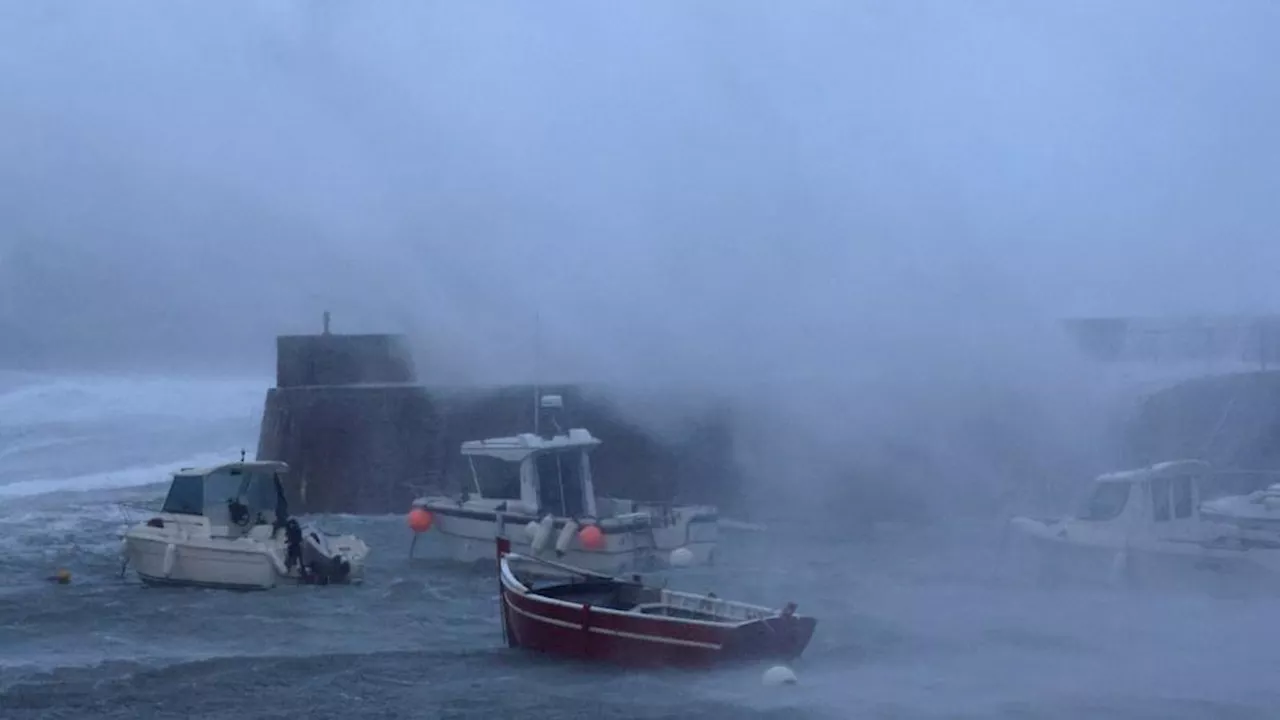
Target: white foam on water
x=115, y=480
x=20, y=446
x=79, y=399
x=120, y=431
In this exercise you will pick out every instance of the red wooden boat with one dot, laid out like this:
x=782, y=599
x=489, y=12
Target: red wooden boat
x=585, y=615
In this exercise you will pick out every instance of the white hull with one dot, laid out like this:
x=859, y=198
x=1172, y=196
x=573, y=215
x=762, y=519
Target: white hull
x=1254, y=517
x=1112, y=559
x=472, y=539
x=186, y=551
x=553, y=472
x=202, y=565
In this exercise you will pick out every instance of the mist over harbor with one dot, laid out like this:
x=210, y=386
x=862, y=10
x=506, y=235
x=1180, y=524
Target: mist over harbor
x=858, y=225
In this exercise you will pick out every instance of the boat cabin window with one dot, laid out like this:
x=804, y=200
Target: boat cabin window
x=186, y=496
x=1172, y=498
x=1182, y=497
x=261, y=495
x=1160, y=509
x=560, y=482
x=495, y=478
x=209, y=494
x=1106, y=502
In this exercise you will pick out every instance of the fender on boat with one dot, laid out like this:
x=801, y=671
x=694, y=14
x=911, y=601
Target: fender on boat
x=170, y=557
x=566, y=536
x=543, y=535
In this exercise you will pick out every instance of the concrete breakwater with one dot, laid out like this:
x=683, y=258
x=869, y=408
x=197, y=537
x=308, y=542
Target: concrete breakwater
x=362, y=435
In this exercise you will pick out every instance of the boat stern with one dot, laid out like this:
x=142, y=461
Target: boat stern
x=783, y=637
x=333, y=558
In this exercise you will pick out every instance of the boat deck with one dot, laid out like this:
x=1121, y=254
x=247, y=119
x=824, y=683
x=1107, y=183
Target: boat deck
x=629, y=597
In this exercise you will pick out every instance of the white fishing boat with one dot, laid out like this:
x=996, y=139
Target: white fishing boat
x=229, y=527
x=1159, y=520
x=544, y=497
x=1254, y=516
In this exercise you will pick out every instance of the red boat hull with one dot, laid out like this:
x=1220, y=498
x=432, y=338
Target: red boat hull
x=579, y=631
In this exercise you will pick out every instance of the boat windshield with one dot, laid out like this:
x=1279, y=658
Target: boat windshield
x=186, y=496
x=560, y=482
x=495, y=478
x=210, y=494
x=1106, y=502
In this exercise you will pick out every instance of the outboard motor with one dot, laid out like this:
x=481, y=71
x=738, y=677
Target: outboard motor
x=321, y=564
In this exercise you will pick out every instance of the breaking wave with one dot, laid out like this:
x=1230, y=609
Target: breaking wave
x=86, y=433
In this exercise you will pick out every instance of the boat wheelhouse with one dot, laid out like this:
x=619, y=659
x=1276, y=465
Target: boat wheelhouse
x=1169, y=513
x=542, y=484
x=228, y=526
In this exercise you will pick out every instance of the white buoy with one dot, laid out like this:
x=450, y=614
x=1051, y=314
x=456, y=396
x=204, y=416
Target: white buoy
x=681, y=557
x=779, y=675
x=531, y=530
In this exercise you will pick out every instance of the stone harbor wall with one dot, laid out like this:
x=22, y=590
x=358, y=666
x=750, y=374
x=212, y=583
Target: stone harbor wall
x=1231, y=421
x=362, y=436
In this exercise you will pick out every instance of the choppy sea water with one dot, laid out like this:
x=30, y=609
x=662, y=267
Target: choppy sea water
x=914, y=622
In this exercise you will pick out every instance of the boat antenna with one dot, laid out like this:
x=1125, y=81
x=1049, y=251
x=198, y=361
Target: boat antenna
x=537, y=349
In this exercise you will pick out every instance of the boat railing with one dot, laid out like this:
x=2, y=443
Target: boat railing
x=132, y=509
x=534, y=565
x=703, y=604
x=712, y=605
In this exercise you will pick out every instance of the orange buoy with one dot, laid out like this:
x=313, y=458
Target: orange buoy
x=591, y=537
x=420, y=520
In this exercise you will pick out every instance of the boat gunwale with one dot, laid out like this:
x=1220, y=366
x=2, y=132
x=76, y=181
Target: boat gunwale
x=511, y=583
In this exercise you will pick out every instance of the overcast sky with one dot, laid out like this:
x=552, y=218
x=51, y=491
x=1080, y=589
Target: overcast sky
x=710, y=178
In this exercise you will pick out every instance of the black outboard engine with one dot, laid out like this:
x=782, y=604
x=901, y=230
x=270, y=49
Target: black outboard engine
x=309, y=551
x=321, y=564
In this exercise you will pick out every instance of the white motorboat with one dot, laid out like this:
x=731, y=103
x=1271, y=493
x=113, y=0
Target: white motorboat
x=1254, y=516
x=543, y=483
x=1169, y=516
x=229, y=527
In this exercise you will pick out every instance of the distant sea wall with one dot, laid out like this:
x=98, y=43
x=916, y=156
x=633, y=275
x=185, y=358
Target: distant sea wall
x=1232, y=421
x=361, y=435
x=1251, y=339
